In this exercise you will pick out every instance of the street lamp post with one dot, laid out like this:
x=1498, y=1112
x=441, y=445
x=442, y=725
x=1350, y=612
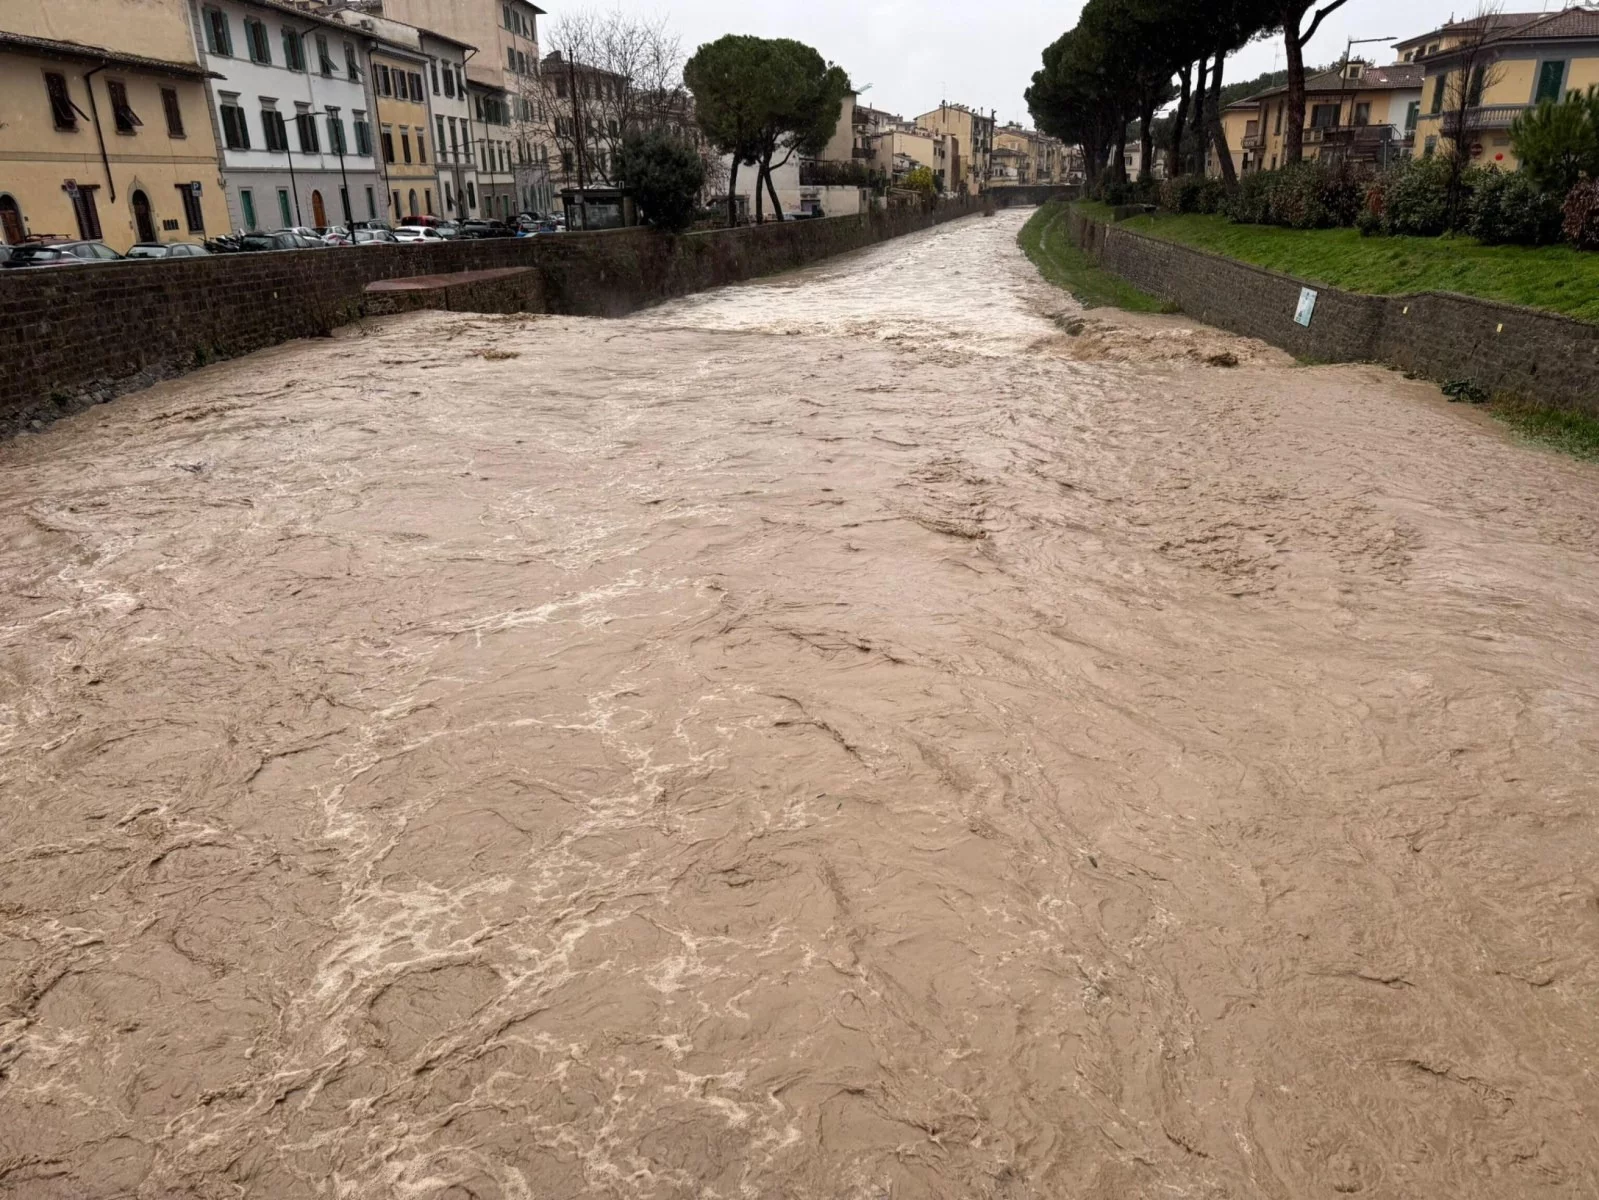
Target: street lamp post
x=294, y=185
x=1343, y=72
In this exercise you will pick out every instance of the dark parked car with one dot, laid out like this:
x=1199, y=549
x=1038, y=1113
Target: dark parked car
x=481, y=228
x=168, y=250
x=283, y=239
x=60, y=254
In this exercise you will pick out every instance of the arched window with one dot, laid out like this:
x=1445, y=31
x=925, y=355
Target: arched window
x=411, y=199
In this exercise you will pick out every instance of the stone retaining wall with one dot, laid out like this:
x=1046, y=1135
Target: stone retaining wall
x=1536, y=356
x=75, y=335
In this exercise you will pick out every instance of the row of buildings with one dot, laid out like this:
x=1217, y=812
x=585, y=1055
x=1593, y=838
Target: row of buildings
x=1501, y=65
x=171, y=120
x=163, y=120
x=966, y=151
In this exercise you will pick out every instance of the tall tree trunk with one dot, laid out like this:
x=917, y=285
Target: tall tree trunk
x=1294, y=120
x=1218, y=133
x=771, y=188
x=1146, y=143
x=1174, y=151
x=1118, y=158
x=1196, y=117
x=732, y=194
x=1294, y=39
x=760, y=196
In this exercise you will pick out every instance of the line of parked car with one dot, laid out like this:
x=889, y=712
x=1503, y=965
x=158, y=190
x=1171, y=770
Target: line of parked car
x=48, y=251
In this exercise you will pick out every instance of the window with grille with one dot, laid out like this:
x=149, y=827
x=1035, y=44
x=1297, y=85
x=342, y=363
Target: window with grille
x=121, y=112
x=336, y=139
x=363, y=136
x=309, y=142
x=433, y=72
x=61, y=106
x=388, y=145
x=352, y=68
x=324, y=59
x=83, y=207
x=191, y=207
x=174, y=113
x=293, y=51
x=418, y=92
x=405, y=145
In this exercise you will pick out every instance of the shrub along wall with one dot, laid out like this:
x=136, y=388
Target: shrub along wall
x=1537, y=356
x=73, y=336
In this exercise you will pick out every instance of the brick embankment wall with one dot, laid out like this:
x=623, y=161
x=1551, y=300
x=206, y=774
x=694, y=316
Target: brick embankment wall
x=1536, y=356
x=73, y=336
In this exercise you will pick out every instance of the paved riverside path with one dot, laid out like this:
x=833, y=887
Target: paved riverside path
x=873, y=732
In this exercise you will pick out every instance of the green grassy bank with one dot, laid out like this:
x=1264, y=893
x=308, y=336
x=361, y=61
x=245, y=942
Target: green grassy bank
x=1046, y=240
x=1554, y=278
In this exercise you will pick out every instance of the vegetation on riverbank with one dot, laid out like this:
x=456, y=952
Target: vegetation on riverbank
x=1575, y=433
x=1046, y=240
x=1554, y=278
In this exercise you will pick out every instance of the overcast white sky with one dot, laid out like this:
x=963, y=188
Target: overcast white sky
x=984, y=53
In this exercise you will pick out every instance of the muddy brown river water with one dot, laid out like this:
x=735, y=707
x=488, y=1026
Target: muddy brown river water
x=841, y=736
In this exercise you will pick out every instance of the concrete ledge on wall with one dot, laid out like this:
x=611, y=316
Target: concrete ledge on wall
x=498, y=290
x=1537, y=356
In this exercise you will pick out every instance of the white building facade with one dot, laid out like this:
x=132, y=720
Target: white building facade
x=453, y=134
x=292, y=115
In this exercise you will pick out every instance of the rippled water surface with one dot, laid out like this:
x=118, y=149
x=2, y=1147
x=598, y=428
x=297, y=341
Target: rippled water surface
x=842, y=736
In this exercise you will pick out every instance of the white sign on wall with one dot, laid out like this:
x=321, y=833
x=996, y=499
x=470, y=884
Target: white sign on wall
x=1307, y=307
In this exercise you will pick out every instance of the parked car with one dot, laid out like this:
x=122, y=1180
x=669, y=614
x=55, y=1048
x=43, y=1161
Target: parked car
x=336, y=235
x=60, y=254
x=373, y=225
x=167, y=250
x=374, y=237
x=425, y=221
x=414, y=235
x=480, y=227
x=449, y=229
x=282, y=239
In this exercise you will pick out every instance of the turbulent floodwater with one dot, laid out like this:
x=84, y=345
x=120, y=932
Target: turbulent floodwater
x=843, y=736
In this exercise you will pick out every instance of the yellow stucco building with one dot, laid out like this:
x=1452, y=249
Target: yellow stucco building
x=1364, y=112
x=1519, y=60
x=399, y=84
x=1035, y=157
x=108, y=142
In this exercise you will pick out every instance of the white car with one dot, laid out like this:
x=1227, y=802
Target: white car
x=414, y=235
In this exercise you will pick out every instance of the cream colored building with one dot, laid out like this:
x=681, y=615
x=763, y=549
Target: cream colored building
x=903, y=148
x=400, y=89
x=512, y=153
x=1034, y=157
x=106, y=139
x=1359, y=111
x=1527, y=58
x=971, y=139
